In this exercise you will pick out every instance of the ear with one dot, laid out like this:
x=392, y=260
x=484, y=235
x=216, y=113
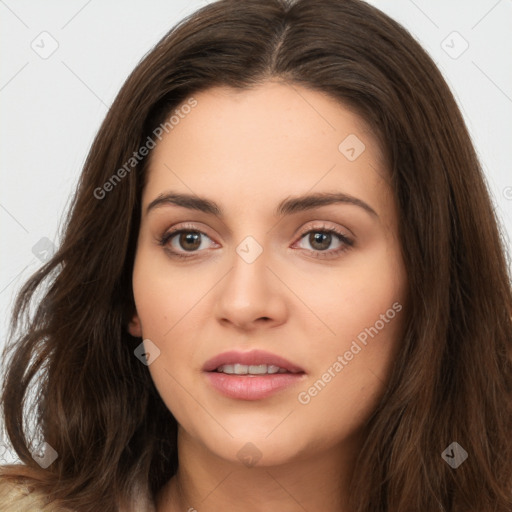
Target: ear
x=135, y=327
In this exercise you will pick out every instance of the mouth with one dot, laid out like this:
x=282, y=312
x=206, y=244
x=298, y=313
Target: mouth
x=251, y=370
x=253, y=375
x=254, y=362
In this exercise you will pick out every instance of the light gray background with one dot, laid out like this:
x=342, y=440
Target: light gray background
x=52, y=105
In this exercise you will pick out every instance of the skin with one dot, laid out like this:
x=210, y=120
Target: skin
x=247, y=151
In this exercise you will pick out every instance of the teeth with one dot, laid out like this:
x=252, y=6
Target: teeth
x=243, y=369
x=240, y=369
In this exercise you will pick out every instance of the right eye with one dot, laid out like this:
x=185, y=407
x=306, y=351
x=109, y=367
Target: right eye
x=178, y=242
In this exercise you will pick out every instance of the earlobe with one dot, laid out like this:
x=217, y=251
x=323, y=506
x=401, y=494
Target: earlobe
x=135, y=327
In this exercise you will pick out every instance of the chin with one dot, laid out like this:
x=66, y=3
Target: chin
x=255, y=447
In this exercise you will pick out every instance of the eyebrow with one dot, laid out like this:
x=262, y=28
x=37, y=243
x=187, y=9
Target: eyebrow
x=286, y=207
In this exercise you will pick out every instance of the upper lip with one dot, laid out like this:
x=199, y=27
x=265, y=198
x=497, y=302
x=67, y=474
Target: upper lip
x=253, y=357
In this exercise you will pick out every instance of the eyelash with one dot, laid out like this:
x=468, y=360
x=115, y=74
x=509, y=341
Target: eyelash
x=347, y=242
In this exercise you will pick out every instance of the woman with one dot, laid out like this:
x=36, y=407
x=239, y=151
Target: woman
x=281, y=285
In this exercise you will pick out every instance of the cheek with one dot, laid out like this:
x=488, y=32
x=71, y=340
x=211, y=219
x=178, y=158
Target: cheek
x=357, y=300
x=366, y=322
x=165, y=304
x=164, y=298
x=351, y=371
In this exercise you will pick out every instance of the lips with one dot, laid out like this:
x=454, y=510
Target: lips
x=252, y=358
x=261, y=380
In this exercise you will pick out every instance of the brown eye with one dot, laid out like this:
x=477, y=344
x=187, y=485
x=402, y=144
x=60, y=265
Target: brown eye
x=179, y=242
x=320, y=240
x=189, y=240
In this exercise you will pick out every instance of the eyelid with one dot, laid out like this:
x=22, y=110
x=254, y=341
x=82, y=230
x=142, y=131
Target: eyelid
x=345, y=239
x=171, y=232
x=324, y=226
x=332, y=254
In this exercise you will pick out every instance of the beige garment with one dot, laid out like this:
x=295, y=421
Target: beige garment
x=18, y=498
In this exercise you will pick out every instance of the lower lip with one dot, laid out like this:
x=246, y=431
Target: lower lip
x=256, y=387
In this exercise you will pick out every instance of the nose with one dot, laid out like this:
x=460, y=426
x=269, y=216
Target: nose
x=251, y=296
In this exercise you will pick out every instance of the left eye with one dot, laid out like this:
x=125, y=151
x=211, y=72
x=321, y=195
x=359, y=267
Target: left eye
x=320, y=240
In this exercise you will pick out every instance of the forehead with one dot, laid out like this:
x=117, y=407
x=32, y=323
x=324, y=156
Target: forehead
x=274, y=139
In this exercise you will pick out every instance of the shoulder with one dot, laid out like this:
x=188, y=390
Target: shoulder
x=17, y=496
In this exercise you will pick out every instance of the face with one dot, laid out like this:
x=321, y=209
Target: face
x=261, y=279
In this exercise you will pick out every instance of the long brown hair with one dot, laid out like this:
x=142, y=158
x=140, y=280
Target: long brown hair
x=96, y=404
